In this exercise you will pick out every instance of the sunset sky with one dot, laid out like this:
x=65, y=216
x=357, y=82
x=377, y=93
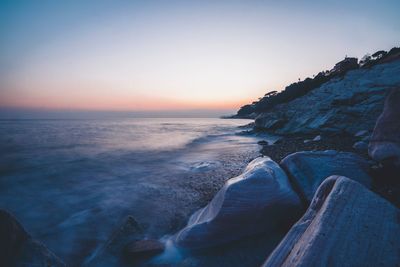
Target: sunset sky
x=177, y=55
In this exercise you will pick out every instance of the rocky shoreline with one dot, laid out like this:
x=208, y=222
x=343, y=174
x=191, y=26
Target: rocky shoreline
x=319, y=195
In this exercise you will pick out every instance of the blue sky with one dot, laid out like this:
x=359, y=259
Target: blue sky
x=168, y=55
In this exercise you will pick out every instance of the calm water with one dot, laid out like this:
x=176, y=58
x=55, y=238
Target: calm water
x=70, y=182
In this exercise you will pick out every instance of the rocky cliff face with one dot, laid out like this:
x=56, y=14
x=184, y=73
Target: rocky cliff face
x=350, y=103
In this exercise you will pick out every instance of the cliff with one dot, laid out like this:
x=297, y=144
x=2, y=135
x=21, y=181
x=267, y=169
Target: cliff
x=347, y=98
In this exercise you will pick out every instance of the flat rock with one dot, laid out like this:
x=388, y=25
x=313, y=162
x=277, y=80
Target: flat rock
x=384, y=145
x=259, y=200
x=18, y=248
x=308, y=169
x=345, y=225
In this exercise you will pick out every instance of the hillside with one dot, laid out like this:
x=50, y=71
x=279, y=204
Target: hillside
x=350, y=92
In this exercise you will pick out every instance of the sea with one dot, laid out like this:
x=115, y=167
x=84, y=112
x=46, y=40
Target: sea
x=72, y=182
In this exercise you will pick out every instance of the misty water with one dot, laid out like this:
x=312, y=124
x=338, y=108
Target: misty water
x=71, y=182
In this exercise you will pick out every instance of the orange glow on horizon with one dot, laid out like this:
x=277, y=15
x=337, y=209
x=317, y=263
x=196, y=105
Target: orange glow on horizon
x=142, y=103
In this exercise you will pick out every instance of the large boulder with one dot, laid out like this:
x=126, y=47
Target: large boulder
x=308, y=169
x=345, y=225
x=259, y=200
x=384, y=145
x=18, y=248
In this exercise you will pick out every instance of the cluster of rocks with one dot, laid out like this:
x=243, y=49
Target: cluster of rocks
x=345, y=224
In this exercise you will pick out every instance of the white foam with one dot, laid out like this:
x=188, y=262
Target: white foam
x=171, y=253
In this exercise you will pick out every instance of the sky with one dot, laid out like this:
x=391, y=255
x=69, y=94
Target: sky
x=176, y=55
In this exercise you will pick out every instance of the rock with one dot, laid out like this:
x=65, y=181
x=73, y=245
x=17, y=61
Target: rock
x=349, y=104
x=366, y=138
x=345, y=225
x=143, y=249
x=308, y=169
x=307, y=141
x=112, y=253
x=385, y=141
x=13, y=235
x=248, y=204
x=34, y=253
x=263, y=143
x=249, y=125
x=361, y=146
x=361, y=133
x=17, y=248
x=317, y=138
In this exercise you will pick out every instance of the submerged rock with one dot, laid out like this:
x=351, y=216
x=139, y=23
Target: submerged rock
x=345, y=225
x=17, y=248
x=385, y=141
x=259, y=200
x=308, y=169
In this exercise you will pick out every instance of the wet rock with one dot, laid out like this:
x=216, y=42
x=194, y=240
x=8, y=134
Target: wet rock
x=34, y=253
x=361, y=133
x=17, y=248
x=263, y=143
x=112, y=252
x=13, y=235
x=360, y=146
x=308, y=169
x=143, y=249
x=317, y=138
x=366, y=138
x=259, y=200
x=345, y=225
x=385, y=141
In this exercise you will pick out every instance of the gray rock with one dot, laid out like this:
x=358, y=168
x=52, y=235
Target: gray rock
x=361, y=146
x=385, y=141
x=259, y=200
x=308, y=169
x=345, y=225
x=17, y=248
x=350, y=104
x=112, y=253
